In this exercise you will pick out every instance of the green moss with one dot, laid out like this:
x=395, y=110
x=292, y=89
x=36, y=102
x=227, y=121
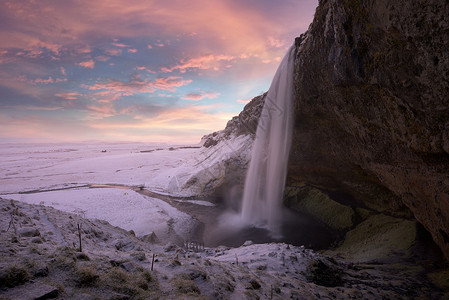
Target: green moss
x=380, y=237
x=323, y=208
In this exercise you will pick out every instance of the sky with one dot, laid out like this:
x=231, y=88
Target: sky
x=137, y=70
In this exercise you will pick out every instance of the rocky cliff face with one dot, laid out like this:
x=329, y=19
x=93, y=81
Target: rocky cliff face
x=372, y=108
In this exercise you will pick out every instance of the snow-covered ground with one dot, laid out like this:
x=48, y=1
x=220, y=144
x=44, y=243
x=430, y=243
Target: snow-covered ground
x=120, y=207
x=58, y=175
x=64, y=176
x=27, y=167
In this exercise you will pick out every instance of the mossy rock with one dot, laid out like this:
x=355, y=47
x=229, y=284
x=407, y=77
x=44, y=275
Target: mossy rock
x=379, y=238
x=319, y=205
x=440, y=279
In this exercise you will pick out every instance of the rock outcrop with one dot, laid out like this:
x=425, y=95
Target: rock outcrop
x=372, y=108
x=371, y=114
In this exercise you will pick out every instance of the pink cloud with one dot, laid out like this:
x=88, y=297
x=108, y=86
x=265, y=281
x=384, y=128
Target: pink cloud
x=149, y=46
x=87, y=64
x=276, y=43
x=84, y=50
x=44, y=81
x=113, y=52
x=132, y=50
x=170, y=83
x=143, y=68
x=206, y=62
x=138, y=85
x=101, y=110
x=102, y=58
x=63, y=72
x=200, y=96
x=120, y=45
x=244, y=101
x=40, y=81
x=69, y=95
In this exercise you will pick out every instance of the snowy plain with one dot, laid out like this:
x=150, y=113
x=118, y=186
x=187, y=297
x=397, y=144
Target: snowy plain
x=65, y=176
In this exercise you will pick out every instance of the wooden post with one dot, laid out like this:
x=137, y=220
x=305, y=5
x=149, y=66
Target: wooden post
x=152, y=263
x=79, y=236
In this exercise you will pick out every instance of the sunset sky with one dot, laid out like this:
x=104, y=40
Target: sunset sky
x=137, y=70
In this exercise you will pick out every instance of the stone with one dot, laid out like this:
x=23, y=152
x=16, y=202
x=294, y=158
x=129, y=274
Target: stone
x=319, y=205
x=247, y=243
x=379, y=238
x=36, y=240
x=127, y=266
x=33, y=291
x=28, y=232
x=150, y=238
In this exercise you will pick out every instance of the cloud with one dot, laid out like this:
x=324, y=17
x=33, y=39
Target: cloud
x=143, y=68
x=101, y=110
x=132, y=50
x=102, y=58
x=90, y=64
x=149, y=46
x=69, y=95
x=206, y=62
x=170, y=83
x=63, y=72
x=200, y=96
x=184, y=119
x=113, y=52
x=136, y=85
x=120, y=45
x=244, y=101
x=41, y=81
x=276, y=43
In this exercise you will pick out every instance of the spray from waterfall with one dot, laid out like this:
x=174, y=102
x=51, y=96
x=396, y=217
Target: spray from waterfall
x=265, y=179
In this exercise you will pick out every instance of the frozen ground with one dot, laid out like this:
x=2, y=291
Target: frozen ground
x=40, y=258
x=28, y=167
x=120, y=207
x=58, y=176
x=62, y=176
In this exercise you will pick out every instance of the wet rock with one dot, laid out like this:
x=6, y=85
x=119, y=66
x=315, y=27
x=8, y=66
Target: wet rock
x=378, y=238
x=371, y=85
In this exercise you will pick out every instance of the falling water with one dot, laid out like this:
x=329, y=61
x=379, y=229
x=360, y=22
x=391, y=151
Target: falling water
x=265, y=180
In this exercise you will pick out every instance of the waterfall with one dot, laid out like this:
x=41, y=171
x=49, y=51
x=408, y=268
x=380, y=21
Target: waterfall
x=265, y=179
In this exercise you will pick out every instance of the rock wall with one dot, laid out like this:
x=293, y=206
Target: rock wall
x=372, y=108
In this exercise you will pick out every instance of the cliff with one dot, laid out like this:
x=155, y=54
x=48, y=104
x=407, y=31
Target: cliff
x=371, y=133
x=372, y=108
